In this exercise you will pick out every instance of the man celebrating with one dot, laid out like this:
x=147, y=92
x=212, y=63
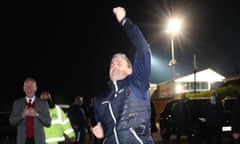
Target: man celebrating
x=123, y=112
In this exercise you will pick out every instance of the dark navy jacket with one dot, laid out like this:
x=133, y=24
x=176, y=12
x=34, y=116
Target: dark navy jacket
x=124, y=110
x=236, y=116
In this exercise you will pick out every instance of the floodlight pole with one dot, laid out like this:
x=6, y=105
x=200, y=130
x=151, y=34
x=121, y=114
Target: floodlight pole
x=174, y=26
x=194, y=71
x=173, y=61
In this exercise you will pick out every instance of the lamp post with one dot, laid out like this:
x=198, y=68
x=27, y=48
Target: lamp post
x=174, y=26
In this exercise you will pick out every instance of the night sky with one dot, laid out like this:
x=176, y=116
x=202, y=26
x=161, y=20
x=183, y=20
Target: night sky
x=67, y=46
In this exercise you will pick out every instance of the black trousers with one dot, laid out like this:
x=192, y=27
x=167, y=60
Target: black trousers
x=80, y=136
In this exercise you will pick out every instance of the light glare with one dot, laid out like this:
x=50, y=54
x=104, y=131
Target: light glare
x=174, y=25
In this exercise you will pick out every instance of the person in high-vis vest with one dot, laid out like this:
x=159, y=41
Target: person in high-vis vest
x=60, y=124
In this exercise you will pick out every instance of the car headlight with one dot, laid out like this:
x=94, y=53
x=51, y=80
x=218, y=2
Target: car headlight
x=226, y=128
x=202, y=119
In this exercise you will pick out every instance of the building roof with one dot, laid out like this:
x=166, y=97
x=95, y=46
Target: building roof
x=207, y=75
x=232, y=79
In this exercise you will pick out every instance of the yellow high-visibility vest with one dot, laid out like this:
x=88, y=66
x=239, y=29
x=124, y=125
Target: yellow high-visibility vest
x=60, y=125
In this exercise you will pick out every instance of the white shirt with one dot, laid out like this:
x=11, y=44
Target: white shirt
x=33, y=99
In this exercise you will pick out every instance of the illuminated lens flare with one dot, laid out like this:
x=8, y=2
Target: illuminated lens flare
x=174, y=26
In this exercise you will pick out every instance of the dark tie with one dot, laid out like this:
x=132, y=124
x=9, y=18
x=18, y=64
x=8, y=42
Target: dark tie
x=29, y=103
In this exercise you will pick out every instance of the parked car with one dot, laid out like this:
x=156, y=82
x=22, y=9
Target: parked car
x=7, y=132
x=166, y=120
x=167, y=127
x=228, y=103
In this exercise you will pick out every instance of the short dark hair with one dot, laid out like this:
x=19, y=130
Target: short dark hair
x=124, y=56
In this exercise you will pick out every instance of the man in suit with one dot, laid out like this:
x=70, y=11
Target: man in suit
x=30, y=114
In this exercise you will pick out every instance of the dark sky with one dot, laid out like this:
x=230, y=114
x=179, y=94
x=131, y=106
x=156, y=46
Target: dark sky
x=67, y=46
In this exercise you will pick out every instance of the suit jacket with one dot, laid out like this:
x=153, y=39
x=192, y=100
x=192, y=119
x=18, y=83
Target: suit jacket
x=44, y=119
